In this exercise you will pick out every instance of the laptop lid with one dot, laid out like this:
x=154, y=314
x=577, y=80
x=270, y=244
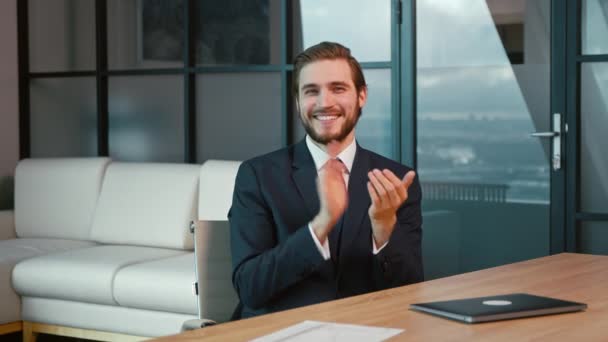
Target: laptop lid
x=493, y=308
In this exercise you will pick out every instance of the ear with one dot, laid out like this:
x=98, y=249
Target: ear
x=362, y=96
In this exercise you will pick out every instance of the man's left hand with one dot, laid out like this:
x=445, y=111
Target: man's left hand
x=387, y=193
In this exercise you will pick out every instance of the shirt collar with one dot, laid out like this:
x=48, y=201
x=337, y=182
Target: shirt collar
x=347, y=156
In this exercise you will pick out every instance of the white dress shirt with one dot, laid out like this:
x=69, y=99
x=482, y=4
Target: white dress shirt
x=347, y=156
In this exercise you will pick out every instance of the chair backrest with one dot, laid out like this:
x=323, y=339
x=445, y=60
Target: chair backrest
x=56, y=198
x=216, y=187
x=147, y=204
x=216, y=295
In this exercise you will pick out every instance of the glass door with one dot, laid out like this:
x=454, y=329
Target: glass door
x=484, y=84
x=588, y=120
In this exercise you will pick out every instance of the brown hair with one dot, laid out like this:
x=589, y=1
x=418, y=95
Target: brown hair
x=324, y=51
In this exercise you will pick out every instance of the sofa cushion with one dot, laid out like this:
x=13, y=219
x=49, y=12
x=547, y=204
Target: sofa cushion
x=147, y=204
x=15, y=250
x=56, y=198
x=161, y=285
x=85, y=275
x=102, y=317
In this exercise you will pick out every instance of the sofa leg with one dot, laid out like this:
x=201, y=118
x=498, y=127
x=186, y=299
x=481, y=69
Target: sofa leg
x=31, y=331
x=29, y=335
x=12, y=327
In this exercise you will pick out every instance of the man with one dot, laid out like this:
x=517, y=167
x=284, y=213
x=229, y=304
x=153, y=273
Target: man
x=324, y=218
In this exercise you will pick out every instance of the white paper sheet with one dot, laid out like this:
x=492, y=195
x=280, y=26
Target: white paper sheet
x=323, y=331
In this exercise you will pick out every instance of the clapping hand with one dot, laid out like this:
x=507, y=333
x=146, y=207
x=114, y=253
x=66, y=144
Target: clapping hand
x=333, y=198
x=387, y=193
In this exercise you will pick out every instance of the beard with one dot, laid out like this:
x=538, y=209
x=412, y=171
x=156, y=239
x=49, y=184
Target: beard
x=349, y=124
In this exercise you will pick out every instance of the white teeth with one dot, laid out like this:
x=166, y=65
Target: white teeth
x=326, y=118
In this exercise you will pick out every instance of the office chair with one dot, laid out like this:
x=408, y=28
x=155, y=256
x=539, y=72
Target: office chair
x=216, y=297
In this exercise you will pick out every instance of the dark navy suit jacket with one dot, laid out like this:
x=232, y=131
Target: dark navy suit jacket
x=276, y=264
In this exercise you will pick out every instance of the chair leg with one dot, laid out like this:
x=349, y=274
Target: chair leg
x=29, y=335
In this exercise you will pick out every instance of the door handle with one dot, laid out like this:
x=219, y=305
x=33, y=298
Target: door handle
x=556, y=158
x=544, y=134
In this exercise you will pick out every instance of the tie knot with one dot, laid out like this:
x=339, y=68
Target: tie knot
x=337, y=164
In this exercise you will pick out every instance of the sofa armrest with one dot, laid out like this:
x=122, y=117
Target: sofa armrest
x=7, y=225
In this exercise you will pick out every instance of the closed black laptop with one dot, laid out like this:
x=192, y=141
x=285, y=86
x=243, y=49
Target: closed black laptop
x=494, y=308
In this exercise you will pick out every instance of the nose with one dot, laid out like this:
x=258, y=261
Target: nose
x=325, y=99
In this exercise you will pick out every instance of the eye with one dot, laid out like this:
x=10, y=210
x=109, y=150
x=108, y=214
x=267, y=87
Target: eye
x=311, y=92
x=339, y=89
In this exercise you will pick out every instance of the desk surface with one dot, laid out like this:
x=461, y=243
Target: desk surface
x=575, y=277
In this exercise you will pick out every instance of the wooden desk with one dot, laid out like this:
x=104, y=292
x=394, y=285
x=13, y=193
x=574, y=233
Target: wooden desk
x=575, y=277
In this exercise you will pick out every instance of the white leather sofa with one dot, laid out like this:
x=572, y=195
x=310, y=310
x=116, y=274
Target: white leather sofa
x=102, y=250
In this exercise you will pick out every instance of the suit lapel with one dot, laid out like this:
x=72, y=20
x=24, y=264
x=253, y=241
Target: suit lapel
x=358, y=199
x=304, y=176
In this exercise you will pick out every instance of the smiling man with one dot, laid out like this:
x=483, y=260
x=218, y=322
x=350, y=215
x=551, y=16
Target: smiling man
x=323, y=219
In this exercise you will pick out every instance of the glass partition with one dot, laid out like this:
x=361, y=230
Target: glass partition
x=146, y=118
x=63, y=117
x=594, y=124
x=61, y=35
x=483, y=85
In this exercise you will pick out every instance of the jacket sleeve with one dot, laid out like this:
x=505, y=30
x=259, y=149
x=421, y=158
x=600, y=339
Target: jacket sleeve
x=400, y=262
x=263, y=267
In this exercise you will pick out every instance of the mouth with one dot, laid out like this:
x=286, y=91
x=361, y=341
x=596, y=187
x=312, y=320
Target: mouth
x=327, y=117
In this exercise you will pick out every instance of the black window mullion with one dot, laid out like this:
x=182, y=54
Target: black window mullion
x=592, y=58
x=101, y=47
x=143, y=72
x=286, y=94
x=572, y=119
x=24, y=80
x=585, y=216
x=189, y=82
x=408, y=71
x=57, y=74
x=239, y=68
x=395, y=67
x=558, y=184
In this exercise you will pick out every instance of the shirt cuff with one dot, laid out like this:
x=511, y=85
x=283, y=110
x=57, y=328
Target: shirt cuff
x=376, y=250
x=323, y=248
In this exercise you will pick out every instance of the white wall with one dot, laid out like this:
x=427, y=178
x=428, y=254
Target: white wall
x=9, y=108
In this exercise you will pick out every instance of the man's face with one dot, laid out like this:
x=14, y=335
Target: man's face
x=328, y=101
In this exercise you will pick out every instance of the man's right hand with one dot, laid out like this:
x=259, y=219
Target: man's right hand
x=333, y=198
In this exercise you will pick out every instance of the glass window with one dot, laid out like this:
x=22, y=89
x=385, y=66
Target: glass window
x=145, y=34
x=63, y=117
x=238, y=32
x=483, y=85
x=594, y=28
x=238, y=115
x=593, y=238
x=146, y=118
x=61, y=35
x=594, y=125
x=374, y=129
x=476, y=107
x=362, y=25
x=297, y=128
